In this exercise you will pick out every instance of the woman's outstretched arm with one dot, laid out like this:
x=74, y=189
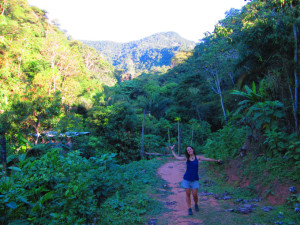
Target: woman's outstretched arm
x=200, y=157
x=176, y=156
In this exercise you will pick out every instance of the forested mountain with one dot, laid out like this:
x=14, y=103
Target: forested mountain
x=37, y=57
x=234, y=97
x=146, y=55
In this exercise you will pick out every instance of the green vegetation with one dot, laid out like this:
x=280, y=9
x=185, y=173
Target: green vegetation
x=67, y=188
x=153, y=53
x=238, y=197
x=234, y=96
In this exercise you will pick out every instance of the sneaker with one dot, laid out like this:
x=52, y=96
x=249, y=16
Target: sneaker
x=190, y=211
x=196, y=207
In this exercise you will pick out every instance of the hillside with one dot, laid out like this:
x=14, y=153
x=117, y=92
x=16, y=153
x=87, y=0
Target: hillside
x=77, y=149
x=144, y=55
x=36, y=55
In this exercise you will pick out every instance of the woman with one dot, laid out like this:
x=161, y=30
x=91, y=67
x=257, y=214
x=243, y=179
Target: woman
x=191, y=178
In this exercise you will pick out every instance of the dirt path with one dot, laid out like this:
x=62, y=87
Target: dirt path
x=219, y=204
x=173, y=172
x=211, y=211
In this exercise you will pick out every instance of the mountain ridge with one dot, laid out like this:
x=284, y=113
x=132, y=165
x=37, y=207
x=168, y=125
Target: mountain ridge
x=153, y=52
x=164, y=34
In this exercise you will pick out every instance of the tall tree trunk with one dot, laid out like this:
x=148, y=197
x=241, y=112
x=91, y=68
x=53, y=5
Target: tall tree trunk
x=198, y=113
x=179, y=140
x=295, y=102
x=223, y=108
x=215, y=84
x=218, y=84
x=169, y=137
x=143, y=130
x=3, y=152
x=3, y=7
x=37, y=127
x=192, y=135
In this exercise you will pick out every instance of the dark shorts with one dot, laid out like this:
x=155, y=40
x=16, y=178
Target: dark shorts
x=190, y=184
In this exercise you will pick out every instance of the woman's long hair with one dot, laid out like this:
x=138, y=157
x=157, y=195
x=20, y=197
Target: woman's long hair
x=187, y=154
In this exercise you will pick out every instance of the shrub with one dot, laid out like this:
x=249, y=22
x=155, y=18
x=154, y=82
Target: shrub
x=55, y=189
x=225, y=143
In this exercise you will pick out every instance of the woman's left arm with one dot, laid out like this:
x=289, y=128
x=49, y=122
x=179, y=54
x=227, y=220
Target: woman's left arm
x=202, y=158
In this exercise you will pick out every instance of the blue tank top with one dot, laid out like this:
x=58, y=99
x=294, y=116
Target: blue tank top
x=191, y=173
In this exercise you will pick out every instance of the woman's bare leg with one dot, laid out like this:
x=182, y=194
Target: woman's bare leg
x=195, y=195
x=188, y=197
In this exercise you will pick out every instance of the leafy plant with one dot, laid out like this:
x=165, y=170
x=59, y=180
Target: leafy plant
x=225, y=143
x=251, y=96
x=55, y=189
x=276, y=141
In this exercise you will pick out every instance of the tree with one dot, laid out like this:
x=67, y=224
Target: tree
x=178, y=119
x=146, y=105
x=269, y=48
x=2, y=7
x=216, y=62
x=61, y=60
x=3, y=150
x=96, y=64
x=167, y=125
x=193, y=122
x=296, y=50
x=35, y=112
x=143, y=133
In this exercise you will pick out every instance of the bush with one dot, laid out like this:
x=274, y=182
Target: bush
x=225, y=143
x=68, y=188
x=55, y=189
x=130, y=202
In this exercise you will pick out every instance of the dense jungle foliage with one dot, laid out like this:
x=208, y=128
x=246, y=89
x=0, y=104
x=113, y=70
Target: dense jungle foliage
x=235, y=95
x=153, y=53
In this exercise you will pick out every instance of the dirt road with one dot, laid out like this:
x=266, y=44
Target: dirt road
x=219, y=202
x=173, y=172
x=212, y=211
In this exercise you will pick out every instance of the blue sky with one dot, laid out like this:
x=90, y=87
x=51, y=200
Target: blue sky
x=128, y=20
